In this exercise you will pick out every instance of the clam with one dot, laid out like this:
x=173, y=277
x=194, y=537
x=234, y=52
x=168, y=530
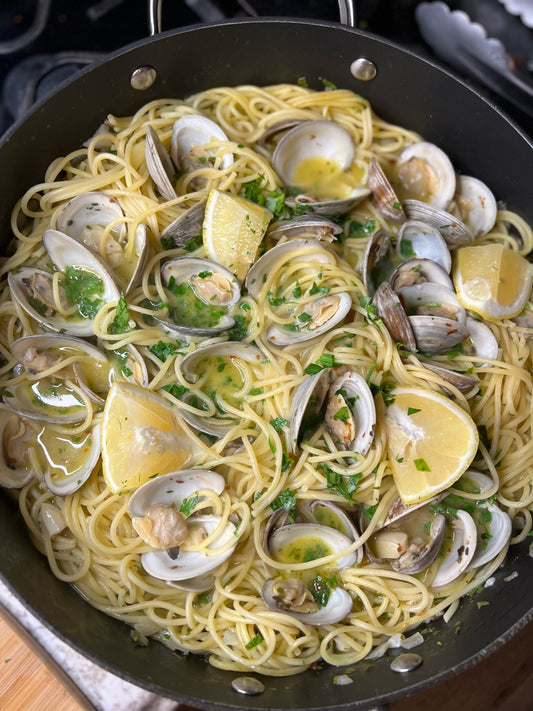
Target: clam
x=418, y=271
x=69, y=460
x=83, y=286
x=436, y=334
x=292, y=597
x=90, y=369
x=482, y=340
x=410, y=537
x=86, y=217
x=311, y=225
x=476, y=203
x=159, y=164
x=459, y=549
x=291, y=251
x=161, y=514
x=311, y=158
x=189, y=134
x=426, y=171
x=494, y=529
x=276, y=129
x=416, y=238
x=351, y=413
x=393, y=315
x=327, y=513
x=432, y=299
x=378, y=261
x=200, y=293
x=304, y=542
x=17, y=435
x=454, y=232
x=187, y=225
x=312, y=319
x=464, y=383
x=224, y=383
x=383, y=195
x=306, y=407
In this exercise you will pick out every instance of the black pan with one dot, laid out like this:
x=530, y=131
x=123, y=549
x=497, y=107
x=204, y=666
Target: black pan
x=407, y=90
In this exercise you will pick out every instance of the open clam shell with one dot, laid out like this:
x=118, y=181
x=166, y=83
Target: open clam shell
x=321, y=315
x=306, y=406
x=329, y=514
x=85, y=217
x=304, y=542
x=188, y=224
x=417, y=271
x=476, y=203
x=172, y=490
x=16, y=435
x=378, y=261
x=424, y=169
x=70, y=460
x=293, y=250
x=459, y=551
x=351, y=413
x=338, y=606
x=200, y=294
x=310, y=225
x=195, y=130
x=227, y=355
x=492, y=537
x=432, y=299
x=419, y=239
x=394, y=316
x=435, y=334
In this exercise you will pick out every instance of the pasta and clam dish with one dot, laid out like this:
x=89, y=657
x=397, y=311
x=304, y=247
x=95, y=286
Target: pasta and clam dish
x=266, y=376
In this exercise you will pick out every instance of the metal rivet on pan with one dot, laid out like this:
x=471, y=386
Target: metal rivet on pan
x=143, y=78
x=406, y=662
x=248, y=685
x=363, y=69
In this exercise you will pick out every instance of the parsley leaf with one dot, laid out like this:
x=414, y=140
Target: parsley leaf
x=120, y=322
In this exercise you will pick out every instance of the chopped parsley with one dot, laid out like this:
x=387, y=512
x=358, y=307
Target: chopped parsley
x=121, y=320
x=421, y=465
x=83, y=289
x=187, y=506
x=254, y=641
x=286, y=500
x=345, y=485
x=278, y=423
x=162, y=350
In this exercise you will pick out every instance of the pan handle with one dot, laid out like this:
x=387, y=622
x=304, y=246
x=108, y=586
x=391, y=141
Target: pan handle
x=346, y=13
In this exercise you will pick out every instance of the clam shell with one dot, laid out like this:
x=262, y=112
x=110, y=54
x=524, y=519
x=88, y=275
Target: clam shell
x=172, y=489
x=86, y=211
x=499, y=529
x=383, y=195
x=188, y=224
x=434, y=334
x=416, y=271
x=420, y=239
x=460, y=552
x=311, y=225
x=439, y=164
x=191, y=564
x=12, y=475
x=159, y=164
x=393, y=315
x=433, y=300
x=307, y=399
x=293, y=250
x=67, y=480
x=296, y=534
x=454, y=231
x=184, y=270
x=195, y=130
x=360, y=402
x=377, y=262
x=338, y=607
x=327, y=513
x=477, y=204
x=309, y=139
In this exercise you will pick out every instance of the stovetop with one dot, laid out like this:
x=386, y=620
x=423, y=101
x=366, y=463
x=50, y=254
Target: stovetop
x=43, y=42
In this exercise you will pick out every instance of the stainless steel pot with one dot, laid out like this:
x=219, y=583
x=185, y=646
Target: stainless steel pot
x=406, y=90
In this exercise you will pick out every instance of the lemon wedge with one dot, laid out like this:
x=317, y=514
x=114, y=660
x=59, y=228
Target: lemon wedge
x=492, y=280
x=141, y=437
x=233, y=229
x=430, y=440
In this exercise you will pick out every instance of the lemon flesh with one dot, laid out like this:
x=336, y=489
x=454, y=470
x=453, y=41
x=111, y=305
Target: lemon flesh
x=430, y=440
x=141, y=437
x=233, y=229
x=492, y=280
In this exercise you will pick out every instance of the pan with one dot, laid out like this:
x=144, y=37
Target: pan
x=403, y=88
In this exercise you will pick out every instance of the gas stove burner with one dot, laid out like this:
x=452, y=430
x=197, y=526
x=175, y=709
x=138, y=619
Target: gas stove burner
x=37, y=75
